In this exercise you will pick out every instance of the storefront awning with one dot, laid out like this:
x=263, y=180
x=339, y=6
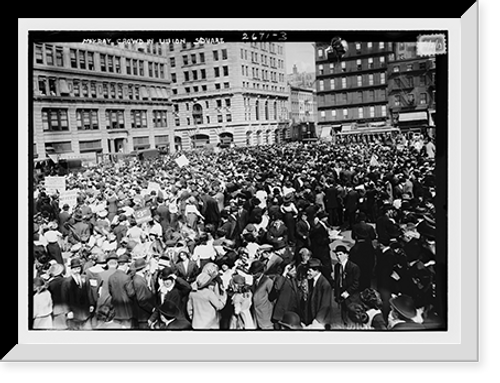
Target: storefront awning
x=326, y=131
x=412, y=116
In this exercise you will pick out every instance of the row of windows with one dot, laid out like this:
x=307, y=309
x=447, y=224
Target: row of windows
x=198, y=119
x=410, y=66
x=262, y=74
x=409, y=99
x=351, y=113
x=89, y=60
x=96, y=145
x=352, y=65
x=358, y=47
x=353, y=97
x=265, y=60
x=353, y=81
x=409, y=81
x=55, y=119
x=271, y=47
x=52, y=86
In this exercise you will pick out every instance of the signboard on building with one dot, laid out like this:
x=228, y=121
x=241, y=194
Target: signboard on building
x=88, y=159
x=55, y=184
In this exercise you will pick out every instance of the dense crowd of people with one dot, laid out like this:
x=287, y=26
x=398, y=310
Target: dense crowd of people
x=282, y=237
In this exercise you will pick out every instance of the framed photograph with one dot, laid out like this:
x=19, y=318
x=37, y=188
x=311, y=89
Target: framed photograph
x=299, y=189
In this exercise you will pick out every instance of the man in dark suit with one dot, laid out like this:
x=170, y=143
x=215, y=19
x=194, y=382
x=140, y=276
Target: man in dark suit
x=320, y=291
x=171, y=318
x=386, y=226
x=363, y=252
x=384, y=268
x=332, y=203
x=122, y=293
x=351, y=202
x=76, y=292
x=320, y=244
x=144, y=302
x=277, y=234
x=346, y=279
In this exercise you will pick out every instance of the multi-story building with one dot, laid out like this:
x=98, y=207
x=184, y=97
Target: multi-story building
x=411, y=88
x=353, y=90
x=91, y=98
x=302, y=113
x=228, y=93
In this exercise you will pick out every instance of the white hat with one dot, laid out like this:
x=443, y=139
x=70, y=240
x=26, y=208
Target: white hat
x=102, y=213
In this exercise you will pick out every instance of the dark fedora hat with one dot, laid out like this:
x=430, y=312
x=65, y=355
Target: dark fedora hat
x=404, y=305
x=169, y=309
x=140, y=264
x=314, y=263
x=341, y=248
x=75, y=262
x=256, y=267
x=291, y=321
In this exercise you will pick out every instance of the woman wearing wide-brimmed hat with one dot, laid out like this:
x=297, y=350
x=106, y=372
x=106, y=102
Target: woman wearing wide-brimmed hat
x=42, y=305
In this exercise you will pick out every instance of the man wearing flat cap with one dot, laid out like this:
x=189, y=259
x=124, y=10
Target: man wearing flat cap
x=144, y=300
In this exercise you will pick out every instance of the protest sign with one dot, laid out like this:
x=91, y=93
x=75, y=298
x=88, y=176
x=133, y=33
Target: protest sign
x=153, y=186
x=68, y=197
x=182, y=161
x=55, y=184
x=142, y=215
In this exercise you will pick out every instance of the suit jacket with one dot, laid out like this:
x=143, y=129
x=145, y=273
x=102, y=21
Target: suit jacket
x=189, y=274
x=122, y=293
x=286, y=295
x=331, y=199
x=348, y=280
x=362, y=230
x=78, y=299
x=278, y=237
x=320, y=242
x=261, y=303
x=144, y=302
x=302, y=229
x=384, y=266
x=320, y=296
x=386, y=229
x=351, y=200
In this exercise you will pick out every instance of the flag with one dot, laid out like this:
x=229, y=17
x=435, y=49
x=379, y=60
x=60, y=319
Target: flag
x=373, y=161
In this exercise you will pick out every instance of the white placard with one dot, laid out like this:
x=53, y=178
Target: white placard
x=182, y=161
x=55, y=184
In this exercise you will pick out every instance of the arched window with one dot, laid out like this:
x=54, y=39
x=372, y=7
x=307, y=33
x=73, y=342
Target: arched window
x=249, y=139
x=197, y=114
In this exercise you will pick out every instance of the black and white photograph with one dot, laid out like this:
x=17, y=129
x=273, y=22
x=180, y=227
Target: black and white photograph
x=238, y=181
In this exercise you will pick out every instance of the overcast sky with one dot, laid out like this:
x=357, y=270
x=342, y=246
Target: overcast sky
x=301, y=54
